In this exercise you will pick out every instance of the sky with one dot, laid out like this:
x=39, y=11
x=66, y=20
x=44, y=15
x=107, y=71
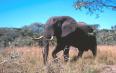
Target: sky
x=18, y=13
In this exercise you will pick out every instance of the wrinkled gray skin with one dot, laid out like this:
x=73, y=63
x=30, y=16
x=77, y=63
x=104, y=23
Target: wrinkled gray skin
x=68, y=33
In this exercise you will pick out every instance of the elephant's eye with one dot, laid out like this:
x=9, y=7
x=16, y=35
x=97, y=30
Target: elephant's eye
x=49, y=27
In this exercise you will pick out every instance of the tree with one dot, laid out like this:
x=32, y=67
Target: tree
x=95, y=6
x=34, y=27
x=113, y=27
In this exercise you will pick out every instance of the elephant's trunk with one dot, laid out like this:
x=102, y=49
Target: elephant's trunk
x=45, y=50
x=41, y=37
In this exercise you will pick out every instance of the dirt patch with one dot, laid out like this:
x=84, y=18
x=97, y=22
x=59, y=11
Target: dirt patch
x=109, y=69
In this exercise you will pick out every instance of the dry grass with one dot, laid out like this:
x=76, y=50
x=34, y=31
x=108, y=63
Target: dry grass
x=29, y=60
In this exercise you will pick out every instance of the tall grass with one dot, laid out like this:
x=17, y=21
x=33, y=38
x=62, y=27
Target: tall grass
x=29, y=60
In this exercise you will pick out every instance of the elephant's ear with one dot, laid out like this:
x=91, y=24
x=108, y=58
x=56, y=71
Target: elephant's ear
x=68, y=27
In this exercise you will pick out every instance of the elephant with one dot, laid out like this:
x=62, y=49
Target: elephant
x=69, y=32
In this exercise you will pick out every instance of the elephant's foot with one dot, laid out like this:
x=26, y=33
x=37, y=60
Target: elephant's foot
x=55, y=59
x=66, y=58
x=74, y=59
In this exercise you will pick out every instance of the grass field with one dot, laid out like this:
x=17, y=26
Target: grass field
x=29, y=60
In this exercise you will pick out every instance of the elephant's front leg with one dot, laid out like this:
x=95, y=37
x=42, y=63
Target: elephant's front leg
x=80, y=54
x=58, y=48
x=66, y=53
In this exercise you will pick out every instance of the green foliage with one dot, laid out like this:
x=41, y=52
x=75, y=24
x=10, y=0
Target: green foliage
x=24, y=35
x=7, y=35
x=105, y=36
x=20, y=37
x=113, y=27
x=22, y=41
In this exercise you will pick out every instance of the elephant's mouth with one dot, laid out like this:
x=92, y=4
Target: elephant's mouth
x=49, y=37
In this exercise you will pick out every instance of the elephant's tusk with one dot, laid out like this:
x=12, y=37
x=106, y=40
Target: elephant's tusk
x=39, y=38
x=51, y=38
x=91, y=33
x=42, y=37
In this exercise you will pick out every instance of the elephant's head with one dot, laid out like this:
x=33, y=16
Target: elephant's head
x=59, y=26
x=49, y=28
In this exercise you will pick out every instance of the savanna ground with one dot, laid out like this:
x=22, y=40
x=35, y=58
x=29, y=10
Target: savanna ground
x=29, y=60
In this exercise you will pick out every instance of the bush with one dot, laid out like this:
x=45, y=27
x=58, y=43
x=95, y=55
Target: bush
x=22, y=41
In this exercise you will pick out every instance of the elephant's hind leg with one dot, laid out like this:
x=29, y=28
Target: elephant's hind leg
x=94, y=51
x=79, y=55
